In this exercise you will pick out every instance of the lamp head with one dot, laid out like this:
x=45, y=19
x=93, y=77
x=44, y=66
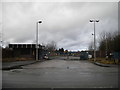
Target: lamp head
x=91, y=20
x=97, y=20
x=39, y=21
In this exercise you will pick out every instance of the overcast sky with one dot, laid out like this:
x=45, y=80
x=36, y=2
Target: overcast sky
x=66, y=23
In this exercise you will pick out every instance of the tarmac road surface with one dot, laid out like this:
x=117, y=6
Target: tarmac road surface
x=60, y=73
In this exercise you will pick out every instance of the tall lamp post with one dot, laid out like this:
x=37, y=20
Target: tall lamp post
x=37, y=39
x=94, y=21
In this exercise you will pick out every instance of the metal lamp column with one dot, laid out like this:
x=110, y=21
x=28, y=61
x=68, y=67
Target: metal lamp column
x=94, y=38
x=37, y=39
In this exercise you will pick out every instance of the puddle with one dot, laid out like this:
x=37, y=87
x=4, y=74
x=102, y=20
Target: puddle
x=16, y=70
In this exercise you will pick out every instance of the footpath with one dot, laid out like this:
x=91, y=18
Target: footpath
x=16, y=64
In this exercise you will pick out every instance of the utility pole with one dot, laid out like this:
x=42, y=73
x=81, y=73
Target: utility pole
x=106, y=46
x=1, y=40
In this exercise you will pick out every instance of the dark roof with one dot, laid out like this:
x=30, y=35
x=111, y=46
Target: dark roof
x=24, y=46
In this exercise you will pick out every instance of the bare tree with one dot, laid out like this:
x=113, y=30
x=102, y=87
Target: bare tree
x=51, y=46
x=109, y=42
x=91, y=48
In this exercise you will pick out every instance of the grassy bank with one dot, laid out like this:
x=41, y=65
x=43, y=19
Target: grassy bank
x=104, y=61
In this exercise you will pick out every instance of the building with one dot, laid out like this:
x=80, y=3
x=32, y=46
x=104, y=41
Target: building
x=27, y=50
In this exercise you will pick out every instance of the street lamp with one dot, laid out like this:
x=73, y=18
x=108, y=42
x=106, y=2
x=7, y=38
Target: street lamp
x=37, y=39
x=93, y=20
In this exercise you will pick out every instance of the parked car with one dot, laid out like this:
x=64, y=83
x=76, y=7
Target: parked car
x=45, y=56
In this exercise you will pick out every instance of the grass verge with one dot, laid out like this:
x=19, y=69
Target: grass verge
x=104, y=61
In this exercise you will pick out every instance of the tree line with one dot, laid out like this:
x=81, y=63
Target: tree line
x=108, y=43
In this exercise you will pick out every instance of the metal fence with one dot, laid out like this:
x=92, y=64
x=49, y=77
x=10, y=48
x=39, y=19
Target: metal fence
x=116, y=55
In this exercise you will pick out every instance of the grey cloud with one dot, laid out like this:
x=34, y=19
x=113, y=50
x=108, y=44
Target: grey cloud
x=66, y=23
